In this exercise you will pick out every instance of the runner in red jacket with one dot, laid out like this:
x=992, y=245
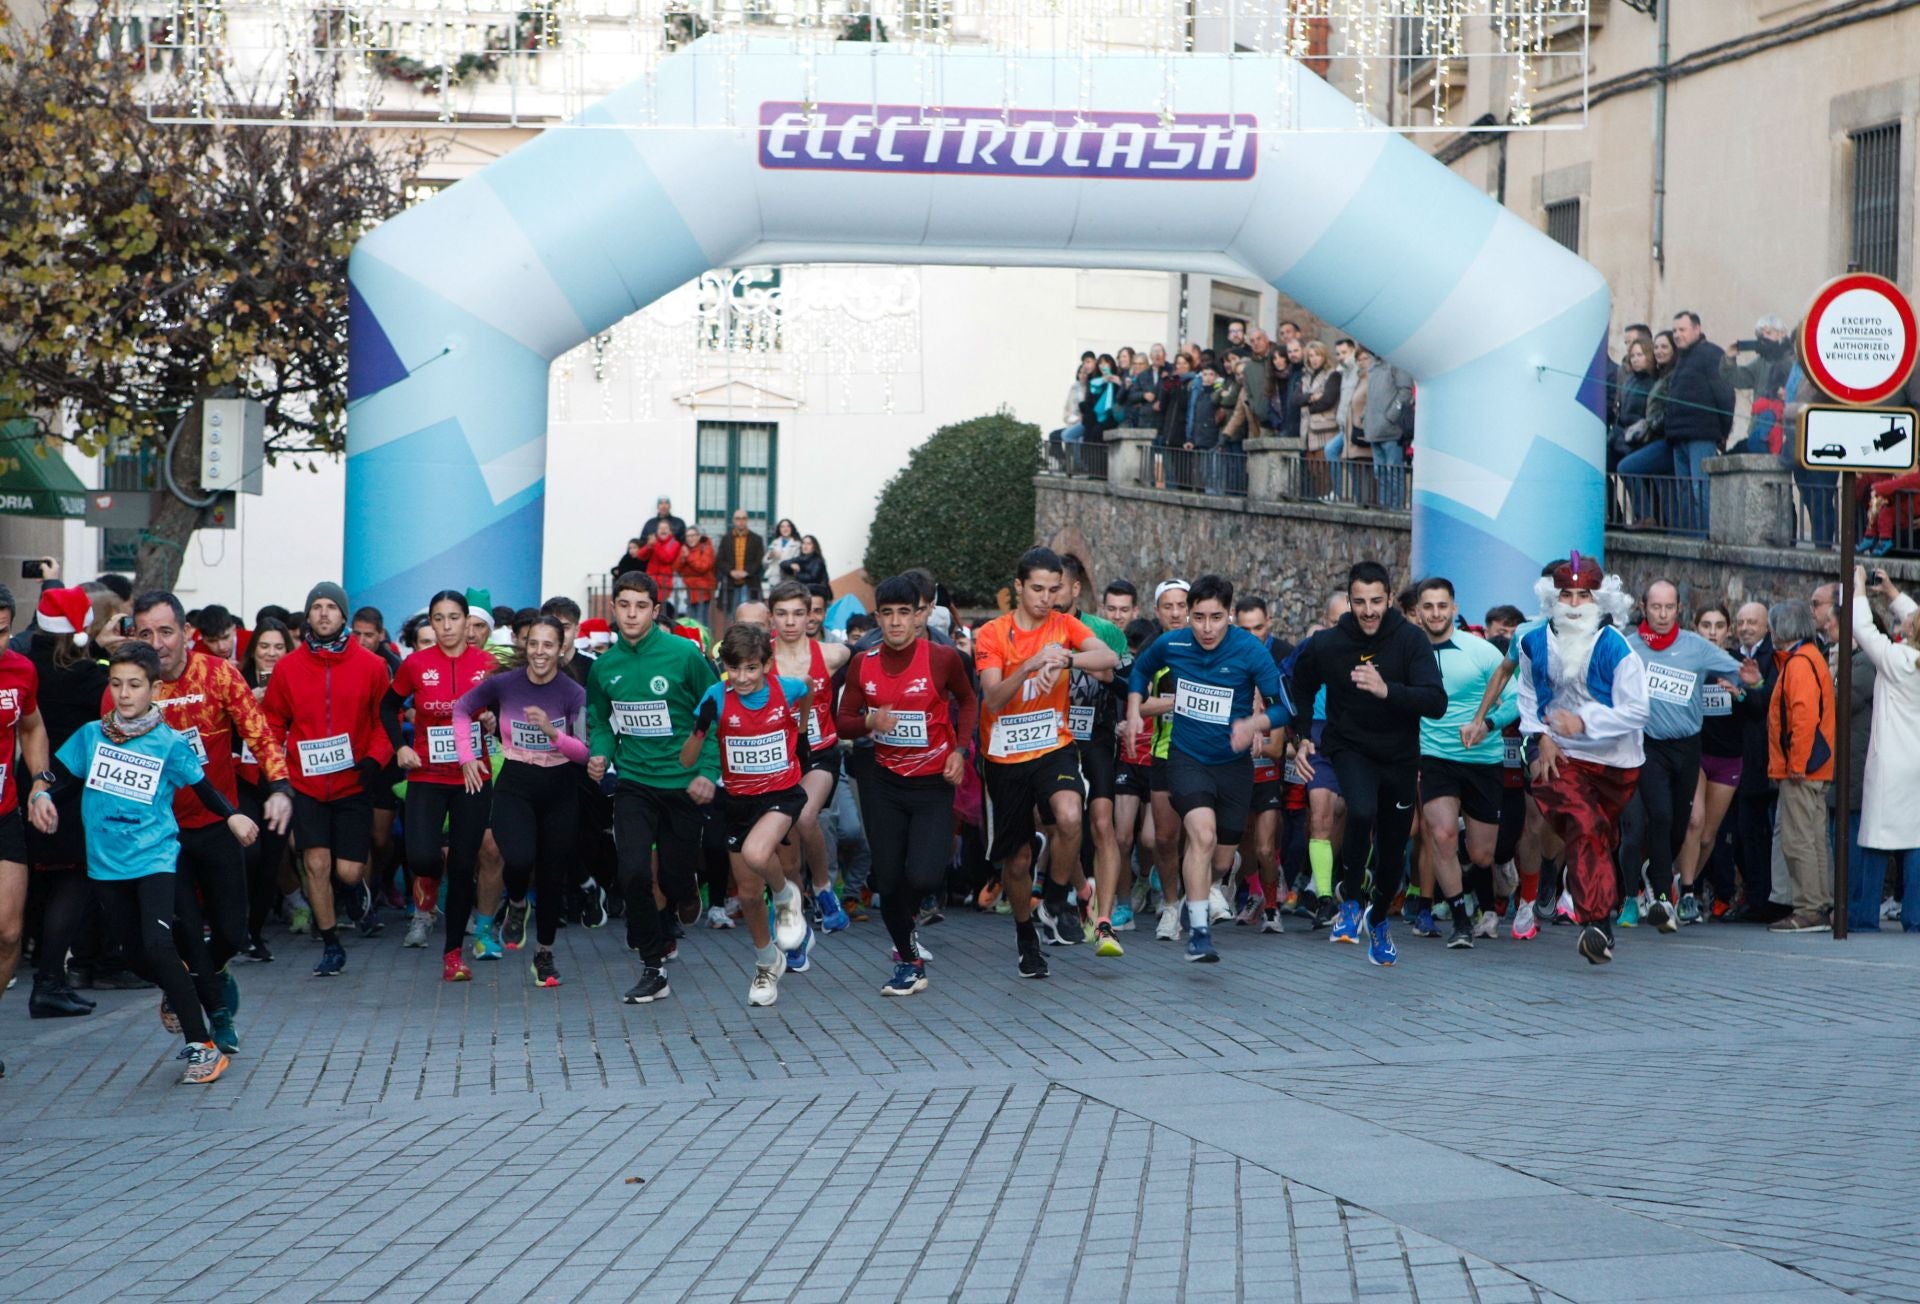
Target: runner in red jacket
x=324, y=703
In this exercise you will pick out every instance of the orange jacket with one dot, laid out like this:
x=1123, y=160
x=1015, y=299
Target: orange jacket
x=1800, y=716
x=696, y=567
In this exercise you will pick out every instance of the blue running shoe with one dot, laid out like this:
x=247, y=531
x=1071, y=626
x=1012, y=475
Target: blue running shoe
x=1380, y=948
x=1123, y=918
x=333, y=960
x=833, y=918
x=907, y=979
x=798, y=959
x=1200, y=946
x=1346, y=926
x=1423, y=925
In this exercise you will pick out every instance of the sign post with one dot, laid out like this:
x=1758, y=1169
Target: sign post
x=1857, y=343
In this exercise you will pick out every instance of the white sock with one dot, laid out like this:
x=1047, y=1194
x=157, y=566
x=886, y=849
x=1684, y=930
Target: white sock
x=787, y=895
x=1197, y=916
x=766, y=956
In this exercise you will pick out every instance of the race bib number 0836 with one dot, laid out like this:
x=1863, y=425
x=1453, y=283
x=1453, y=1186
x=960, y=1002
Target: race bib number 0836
x=761, y=754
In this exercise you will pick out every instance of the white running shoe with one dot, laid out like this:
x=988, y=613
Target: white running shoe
x=1168, y=929
x=1525, y=926
x=790, y=925
x=1486, y=924
x=766, y=982
x=1564, y=906
x=420, y=928
x=1217, y=907
x=717, y=917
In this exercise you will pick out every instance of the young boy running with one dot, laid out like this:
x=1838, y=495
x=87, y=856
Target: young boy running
x=799, y=655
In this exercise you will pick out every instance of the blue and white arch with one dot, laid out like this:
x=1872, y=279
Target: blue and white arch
x=460, y=304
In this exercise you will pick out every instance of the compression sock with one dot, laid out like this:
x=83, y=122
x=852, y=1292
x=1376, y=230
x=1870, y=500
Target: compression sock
x=1458, y=904
x=1480, y=882
x=1320, y=856
x=330, y=936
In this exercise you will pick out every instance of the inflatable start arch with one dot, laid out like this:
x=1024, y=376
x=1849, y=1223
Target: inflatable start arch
x=460, y=304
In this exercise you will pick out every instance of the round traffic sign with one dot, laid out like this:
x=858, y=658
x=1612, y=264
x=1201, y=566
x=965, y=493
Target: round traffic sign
x=1858, y=340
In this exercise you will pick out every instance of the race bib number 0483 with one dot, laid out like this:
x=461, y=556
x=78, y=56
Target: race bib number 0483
x=120, y=773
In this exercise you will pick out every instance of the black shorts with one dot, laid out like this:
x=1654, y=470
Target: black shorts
x=824, y=760
x=1226, y=790
x=745, y=812
x=383, y=796
x=1100, y=765
x=1267, y=796
x=13, y=836
x=1480, y=788
x=1324, y=779
x=1133, y=781
x=1157, y=774
x=1015, y=791
x=343, y=826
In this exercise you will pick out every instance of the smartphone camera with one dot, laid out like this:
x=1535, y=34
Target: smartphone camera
x=33, y=569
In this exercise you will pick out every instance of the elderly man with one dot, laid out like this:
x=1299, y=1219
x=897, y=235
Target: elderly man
x=1754, y=798
x=663, y=511
x=740, y=555
x=1800, y=756
x=1583, y=710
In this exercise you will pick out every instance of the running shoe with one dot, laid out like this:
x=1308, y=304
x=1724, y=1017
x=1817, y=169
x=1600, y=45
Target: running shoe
x=1292, y=905
x=257, y=950
x=1525, y=926
x=1462, y=938
x=486, y=943
x=1200, y=946
x=513, y=926
x=766, y=982
x=833, y=918
x=651, y=987
x=673, y=949
x=420, y=928
x=919, y=949
x=1251, y=912
x=168, y=1019
x=544, y=973
x=301, y=920
x=366, y=915
x=1059, y=926
x=1423, y=924
x=800, y=958
x=1168, y=929
x=789, y=924
x=989, y=894
x=1413, y=910
x=1486, y=924
x=1123, y=918
x=205, y=1063
x=1270, y=922
x=1595, y=945
x=1323, y=912
x=717, y=917
x=1104, y=942
x=220, y=1028
x=333, y=961
x=1630, y=913
x=1217, y=907
x=1689, y=909
x=1032, y=963
x=930, y=913
x=1141, y=897
x=1380, y=947
x=1661, y=915
x=593, y=906
x=907, y=979
x=1346, y=928
x=453, y=968
x=1563, y=909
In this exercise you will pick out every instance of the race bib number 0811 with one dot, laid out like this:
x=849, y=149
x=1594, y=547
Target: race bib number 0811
x=121, y=773
x=1203, y=702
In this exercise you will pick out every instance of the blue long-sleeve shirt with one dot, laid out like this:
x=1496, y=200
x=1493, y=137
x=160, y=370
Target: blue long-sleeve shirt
x=1212, y=689
x=1675, y=678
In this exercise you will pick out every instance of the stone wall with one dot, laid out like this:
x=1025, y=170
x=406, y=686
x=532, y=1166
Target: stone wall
x=1296, y=554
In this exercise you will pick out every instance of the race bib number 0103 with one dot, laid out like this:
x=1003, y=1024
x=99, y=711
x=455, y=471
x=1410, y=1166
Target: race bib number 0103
x=642, y=719
x=320, y=756
x=1203, y=702
x=909, y=730
x=761, y=754
x=120, y=773
x=1030, y=731
x=1080, y=723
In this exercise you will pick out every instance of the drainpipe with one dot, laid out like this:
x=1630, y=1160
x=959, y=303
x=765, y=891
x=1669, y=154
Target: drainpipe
x=1660, y=140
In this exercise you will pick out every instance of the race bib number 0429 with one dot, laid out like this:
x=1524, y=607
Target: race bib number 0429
x=1670, y=684
x=121, y=773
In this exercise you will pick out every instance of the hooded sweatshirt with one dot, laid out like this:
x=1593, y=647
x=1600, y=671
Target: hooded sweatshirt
x=1386, y=729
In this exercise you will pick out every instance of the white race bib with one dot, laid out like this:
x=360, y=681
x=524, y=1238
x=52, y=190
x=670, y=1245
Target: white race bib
x=1080, y=722
x=246, y=754
x=1264, y=769
x=642, y=719
x=1716, y=699
x=813, y=729
x=441, y=749
x=191, y=736
x=1291, y=774
x=1515, y=754
x=526, y=736
x=121, y=773
x=761, y=754
x=909, y=730
x=1027, y=732
x=1670, y=684
x=1203, y=702
x=320, y=756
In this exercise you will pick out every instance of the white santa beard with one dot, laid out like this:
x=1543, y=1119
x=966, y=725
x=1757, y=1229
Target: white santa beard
x=1570, y=640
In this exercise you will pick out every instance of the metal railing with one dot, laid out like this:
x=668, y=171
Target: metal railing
x=1085, y=459
x=1221, y=472
x=1893, y=530
x=1345, y=483
x=1668, y=504
x=1815, y=519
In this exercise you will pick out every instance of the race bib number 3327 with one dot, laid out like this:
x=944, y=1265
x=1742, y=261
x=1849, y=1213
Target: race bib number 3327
x=1029, y=731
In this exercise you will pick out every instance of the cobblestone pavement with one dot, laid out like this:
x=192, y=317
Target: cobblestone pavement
x=1720, y=1115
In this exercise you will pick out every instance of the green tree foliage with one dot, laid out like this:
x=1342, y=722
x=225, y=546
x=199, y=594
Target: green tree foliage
x=146, y=266
x=962, y=507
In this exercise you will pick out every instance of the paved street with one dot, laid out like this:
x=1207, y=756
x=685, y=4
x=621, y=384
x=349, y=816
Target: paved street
x=1721, y=1115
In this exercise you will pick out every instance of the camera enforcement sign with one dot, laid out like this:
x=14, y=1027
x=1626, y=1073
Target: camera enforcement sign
x=1877, y=440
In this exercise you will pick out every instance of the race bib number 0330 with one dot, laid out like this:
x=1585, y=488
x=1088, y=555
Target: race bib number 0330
x=1203, y=702
x=120, y=773
x=909, y=730
x=1027, y=732
x=761, y=754
x=320, y=756
x=642, y=719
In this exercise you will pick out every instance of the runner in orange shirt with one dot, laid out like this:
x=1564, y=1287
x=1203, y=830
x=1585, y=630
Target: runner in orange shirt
x=1023, y=658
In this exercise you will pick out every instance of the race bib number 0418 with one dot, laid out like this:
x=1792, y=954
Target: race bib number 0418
x=320, y=756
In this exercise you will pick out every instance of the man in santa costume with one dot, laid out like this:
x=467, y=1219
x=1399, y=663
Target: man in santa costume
x=1583, y=707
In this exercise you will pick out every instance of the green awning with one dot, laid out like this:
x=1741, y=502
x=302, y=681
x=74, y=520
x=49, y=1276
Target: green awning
x=34, y=479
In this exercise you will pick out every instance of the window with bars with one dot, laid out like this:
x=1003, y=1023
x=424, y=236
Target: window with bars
x=736, y=468
x=1563, y=223
x=1875, y=211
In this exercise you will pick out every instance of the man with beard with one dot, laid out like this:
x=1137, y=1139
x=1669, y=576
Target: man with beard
x=1583, y=705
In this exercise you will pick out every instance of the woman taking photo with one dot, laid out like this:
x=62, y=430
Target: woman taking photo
x=265, y=858
x=783, y=547
x=535, y=802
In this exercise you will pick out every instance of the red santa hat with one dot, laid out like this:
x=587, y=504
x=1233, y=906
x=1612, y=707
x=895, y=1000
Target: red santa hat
x=1578, y=572
x=65, y=611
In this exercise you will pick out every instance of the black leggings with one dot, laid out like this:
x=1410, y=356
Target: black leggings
x=1668, y=779
x=211, y=888
x=263, y=860
x=137, y=913
x=63, y=916
x=716, y=866
x=431, y=807
x=910, y=830
x=642, y=818
x=536, y=815
x=1380, y=801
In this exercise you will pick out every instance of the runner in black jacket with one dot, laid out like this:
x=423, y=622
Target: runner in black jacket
x=1381, y=677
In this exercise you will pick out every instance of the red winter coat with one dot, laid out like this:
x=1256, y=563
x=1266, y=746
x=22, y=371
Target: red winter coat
x=660, y=556
x=315, y=695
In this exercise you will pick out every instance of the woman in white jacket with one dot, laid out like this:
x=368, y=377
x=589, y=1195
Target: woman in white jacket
x=1889, y=812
